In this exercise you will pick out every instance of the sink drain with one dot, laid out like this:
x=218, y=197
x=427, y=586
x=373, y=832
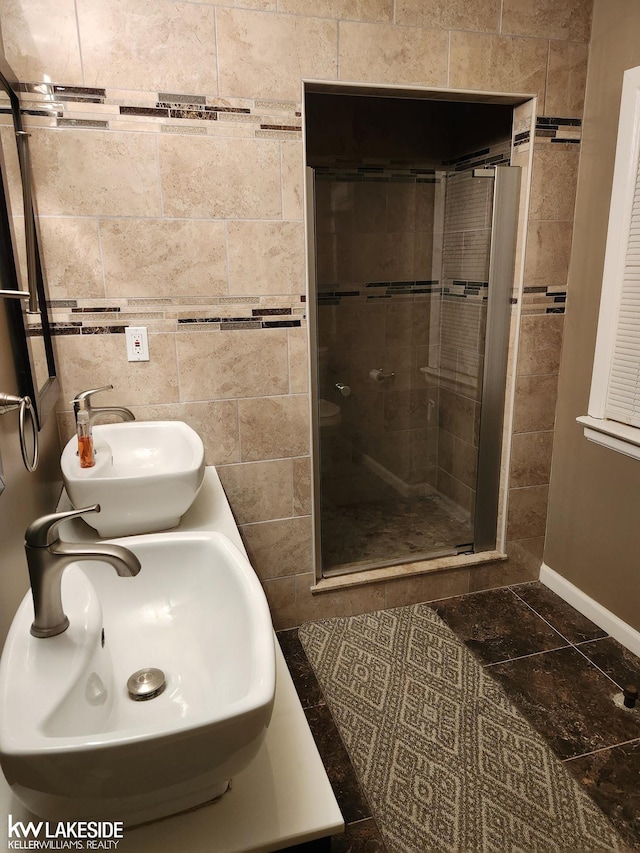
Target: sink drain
x=146, y=684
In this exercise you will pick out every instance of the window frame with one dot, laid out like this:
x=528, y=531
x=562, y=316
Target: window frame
x=610, y=433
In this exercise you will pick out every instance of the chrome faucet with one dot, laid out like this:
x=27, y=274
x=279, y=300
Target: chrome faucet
x=82, y=401
x=48, y=557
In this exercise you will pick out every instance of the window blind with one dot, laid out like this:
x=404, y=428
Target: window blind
x=623, y=395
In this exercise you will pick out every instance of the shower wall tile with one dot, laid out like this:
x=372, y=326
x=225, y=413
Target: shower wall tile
x=274, y=427
x=530, y=459
x=548, y=250
x=216, y=422
x=424, y=455
x=457, y=415
x=146, y=257
x=71, y=255
x=407, y=410
x=428, y=587
x=498, y=63
x=535, y=403
x=104, y=362
x=379, y=53
x=269, y=252
x=521, y=567
x=407, y=322
x=298, y=361
x=207, y=178
x=453, y=15
x=259, y=491
x=370, y=209
x=553, y=183
x=548, y=19
x=239, y=363
x=302, y=486
x=148, y=44
x=446, y=442
x=566, y=79
x=95, y=173
x=281, y=596
x=353, y=10
x=279, y=548
x=347, y=602
x=527, y=512
x=540, y=344
x=292, y=180
x=41, y=40
x=456, y=491
x=465, y=463
x=262, y=55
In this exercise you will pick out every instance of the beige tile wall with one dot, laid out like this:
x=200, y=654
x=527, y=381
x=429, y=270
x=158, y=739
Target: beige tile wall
x=214, y=213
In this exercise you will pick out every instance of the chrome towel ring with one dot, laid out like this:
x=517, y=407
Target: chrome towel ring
x=8, y=403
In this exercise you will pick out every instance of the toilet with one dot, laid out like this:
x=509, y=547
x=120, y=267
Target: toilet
x=329, y=413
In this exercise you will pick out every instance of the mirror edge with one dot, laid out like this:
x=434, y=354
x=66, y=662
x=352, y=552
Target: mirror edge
x=44, y=399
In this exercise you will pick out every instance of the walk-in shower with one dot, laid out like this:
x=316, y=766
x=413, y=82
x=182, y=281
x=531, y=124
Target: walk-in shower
x=412, y=217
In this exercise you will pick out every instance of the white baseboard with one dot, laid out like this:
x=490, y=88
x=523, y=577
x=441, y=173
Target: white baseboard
x=589, y=607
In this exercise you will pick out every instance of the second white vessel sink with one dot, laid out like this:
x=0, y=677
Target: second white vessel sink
x=147, y=475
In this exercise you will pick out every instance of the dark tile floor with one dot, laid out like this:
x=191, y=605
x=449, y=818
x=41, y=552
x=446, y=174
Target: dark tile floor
x=562, y=672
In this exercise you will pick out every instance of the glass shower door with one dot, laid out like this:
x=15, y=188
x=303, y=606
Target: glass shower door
x=400, y=277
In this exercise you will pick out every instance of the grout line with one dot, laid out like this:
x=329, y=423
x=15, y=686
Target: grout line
x=215, y=44
x=75, y=6
x=533, y=610
x=523, y=657
x=102, y=269
x=595, y=665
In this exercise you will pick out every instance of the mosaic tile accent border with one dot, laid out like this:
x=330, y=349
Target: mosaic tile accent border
x=474, y=290
x=379, y=174
x=111, y=317
x=552, y=129
x=383, y=290
x=60, y=106
x=544, y=300
x=494, y=155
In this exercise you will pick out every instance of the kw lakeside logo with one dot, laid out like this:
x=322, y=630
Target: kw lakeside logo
x=64, y=835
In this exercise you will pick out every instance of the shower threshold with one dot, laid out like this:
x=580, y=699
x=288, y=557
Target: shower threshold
x=433, y=554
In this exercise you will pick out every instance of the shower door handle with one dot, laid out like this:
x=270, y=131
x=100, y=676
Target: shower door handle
x=345, y=390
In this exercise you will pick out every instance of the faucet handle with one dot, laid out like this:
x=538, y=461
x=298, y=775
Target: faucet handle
x=84, y=395
x=41, y=532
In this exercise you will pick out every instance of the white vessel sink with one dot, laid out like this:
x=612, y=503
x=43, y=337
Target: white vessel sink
x=147, y=475
x=74, y=745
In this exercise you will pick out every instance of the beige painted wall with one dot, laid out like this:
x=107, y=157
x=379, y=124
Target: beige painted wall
x=26, y=496
x=165, y=217
x=593, y=535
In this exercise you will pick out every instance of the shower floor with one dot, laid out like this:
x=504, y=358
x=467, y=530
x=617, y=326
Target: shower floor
x=365, y=521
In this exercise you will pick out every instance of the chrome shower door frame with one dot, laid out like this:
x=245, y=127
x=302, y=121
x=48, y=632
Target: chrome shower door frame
x=504, y=232
x=312, y=320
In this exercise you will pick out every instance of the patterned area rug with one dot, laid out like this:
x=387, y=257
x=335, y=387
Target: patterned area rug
x=444, y=758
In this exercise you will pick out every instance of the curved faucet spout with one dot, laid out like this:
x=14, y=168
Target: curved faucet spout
x=48, y=560
x=122, y=412
x=124, y=561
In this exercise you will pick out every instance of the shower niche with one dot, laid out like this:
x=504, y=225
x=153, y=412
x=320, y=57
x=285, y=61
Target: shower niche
x=412, y=210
